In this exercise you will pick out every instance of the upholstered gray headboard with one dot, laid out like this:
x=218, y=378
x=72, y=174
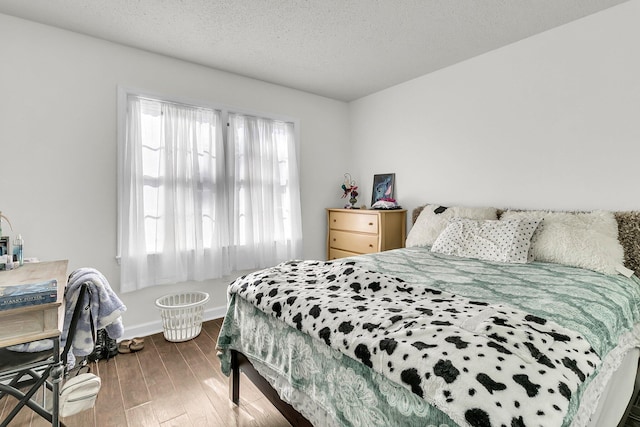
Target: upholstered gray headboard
x=628, y=234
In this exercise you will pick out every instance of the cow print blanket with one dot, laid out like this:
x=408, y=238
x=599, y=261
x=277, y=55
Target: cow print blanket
x=482, y=364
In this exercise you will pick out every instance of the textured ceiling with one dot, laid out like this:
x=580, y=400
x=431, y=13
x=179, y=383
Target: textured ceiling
x=342, y=49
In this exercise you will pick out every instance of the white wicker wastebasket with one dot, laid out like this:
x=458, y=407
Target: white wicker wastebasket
x=182, y=315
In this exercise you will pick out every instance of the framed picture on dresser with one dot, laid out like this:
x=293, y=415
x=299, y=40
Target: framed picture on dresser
x=383, y=187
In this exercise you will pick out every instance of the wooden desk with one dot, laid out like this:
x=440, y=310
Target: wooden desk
x=30, y=323
x=35, y=322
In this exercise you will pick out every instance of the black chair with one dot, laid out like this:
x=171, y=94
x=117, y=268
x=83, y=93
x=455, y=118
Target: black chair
x=46, y=368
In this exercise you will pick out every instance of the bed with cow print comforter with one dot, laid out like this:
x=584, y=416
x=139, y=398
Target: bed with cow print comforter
x=409, y=337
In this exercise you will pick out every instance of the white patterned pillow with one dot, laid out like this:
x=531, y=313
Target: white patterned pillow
x=434, y=219
x=492, y=240
x=584, y=239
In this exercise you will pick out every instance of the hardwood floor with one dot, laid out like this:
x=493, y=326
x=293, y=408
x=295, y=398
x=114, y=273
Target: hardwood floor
x=166, y=384
x=170, y=384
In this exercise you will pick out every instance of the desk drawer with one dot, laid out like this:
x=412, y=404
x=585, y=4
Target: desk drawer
x=366, y=223
x=353, y=242
x=35, y=322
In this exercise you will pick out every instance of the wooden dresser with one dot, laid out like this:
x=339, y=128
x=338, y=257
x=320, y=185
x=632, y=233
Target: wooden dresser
x=360, y=231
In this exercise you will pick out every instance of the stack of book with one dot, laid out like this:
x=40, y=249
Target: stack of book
x=14, y=296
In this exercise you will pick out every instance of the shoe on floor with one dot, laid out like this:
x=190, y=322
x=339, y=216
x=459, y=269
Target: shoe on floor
x=105, y=347
x=99, y=349
x=111, y=346
x=129, y=346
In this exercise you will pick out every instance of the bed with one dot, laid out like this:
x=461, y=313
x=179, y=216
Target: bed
x=425, y=336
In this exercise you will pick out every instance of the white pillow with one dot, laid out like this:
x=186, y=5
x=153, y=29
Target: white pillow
x=430, y=224
x=503, y=241
x=586, y=239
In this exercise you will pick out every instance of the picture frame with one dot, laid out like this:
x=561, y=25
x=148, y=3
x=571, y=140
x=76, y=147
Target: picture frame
x=383, y=187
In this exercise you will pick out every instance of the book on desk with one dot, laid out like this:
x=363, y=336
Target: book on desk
x=14, y=296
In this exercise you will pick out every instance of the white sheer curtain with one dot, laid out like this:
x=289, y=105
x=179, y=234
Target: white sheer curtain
x=264, y=192
x=173, y=213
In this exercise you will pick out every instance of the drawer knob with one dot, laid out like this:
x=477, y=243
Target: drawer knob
x=370, y=223
x=370, y=245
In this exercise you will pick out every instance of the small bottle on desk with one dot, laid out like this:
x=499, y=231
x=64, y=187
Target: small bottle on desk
x=19, y=243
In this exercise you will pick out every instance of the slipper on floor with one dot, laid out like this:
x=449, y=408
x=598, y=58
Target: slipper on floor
x=129, y=346
x=124, y=346
x=136, y=344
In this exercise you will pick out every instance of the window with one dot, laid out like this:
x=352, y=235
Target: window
x=264, y=191
x=194, y=205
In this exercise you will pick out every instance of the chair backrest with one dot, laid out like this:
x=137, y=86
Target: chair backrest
x=84, y=291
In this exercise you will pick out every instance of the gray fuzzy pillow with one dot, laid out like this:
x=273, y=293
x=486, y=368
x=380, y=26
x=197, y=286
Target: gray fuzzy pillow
x=629, y=236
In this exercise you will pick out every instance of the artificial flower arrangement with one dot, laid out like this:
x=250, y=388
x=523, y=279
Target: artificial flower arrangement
x=350, y=189
x=4, y=217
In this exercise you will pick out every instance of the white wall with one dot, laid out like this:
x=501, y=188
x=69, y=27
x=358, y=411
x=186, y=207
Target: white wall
x=552, y=121
x=58, y=146
x=548, y=122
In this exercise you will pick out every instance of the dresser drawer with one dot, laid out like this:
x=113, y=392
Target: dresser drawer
x=365, y=223
x=339, y=253
x=353, y=242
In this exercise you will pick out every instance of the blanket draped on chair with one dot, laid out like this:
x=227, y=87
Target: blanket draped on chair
x=103, y=310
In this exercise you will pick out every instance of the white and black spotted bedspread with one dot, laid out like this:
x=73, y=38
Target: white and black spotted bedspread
x=482, y=364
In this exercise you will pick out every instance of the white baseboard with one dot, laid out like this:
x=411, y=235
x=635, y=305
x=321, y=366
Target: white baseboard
x=155, y=327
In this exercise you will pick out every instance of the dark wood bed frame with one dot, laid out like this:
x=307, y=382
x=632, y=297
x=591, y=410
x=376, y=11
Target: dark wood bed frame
x=240, y=362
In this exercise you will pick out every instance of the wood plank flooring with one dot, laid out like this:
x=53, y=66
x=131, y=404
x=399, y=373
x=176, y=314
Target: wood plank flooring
x=170, y=384
x=166, y=384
